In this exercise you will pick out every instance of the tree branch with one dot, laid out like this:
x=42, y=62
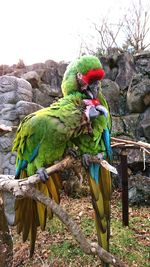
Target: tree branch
x=66, y=163
x=6, y=242
x=24, y=189
x=118, y=142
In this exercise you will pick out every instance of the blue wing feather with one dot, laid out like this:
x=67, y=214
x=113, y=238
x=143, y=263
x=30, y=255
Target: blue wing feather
x=34, y=153
x=22, y=164
x=94, y=168
x=94, y=171
x=106, y=138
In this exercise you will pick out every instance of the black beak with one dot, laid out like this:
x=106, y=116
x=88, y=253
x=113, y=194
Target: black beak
x=92, y=90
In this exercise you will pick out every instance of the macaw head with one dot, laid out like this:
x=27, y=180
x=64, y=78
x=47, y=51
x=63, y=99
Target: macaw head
x=84, y=76
x=89, y=82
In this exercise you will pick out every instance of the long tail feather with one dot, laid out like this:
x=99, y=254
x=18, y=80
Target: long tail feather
x=52, y=188
x=106, y=186
x=33, y=228
x=57, y=180
x=30, y=214
x=41, y=209
x=100, y=185
x=26, y=220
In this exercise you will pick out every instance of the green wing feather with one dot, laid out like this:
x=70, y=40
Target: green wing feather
x=41, y=139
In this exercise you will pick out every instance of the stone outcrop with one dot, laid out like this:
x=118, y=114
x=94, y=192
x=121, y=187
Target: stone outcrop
x=127, y=89
x=138, y=96
x=139, y=190
x=111, y=88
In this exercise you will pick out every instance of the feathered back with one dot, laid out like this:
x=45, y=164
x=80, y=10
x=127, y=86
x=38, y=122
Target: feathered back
x=46, y=131
x=81, y=65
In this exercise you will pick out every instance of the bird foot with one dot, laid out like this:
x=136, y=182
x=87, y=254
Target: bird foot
x=42, y=173
x=86, y=160
x=72, y=152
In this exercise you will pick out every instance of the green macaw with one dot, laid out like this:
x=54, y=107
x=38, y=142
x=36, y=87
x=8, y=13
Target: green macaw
x=42, y=138
x=84, y=75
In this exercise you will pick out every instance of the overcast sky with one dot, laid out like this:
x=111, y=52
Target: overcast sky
x=38, y=30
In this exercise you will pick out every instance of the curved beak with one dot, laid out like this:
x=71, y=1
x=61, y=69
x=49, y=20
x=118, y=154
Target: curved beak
x=102, y=110
x=94, y=111
x=92, y=90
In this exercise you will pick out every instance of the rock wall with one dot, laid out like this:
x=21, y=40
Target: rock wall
x=127, y=89
x=24, y=89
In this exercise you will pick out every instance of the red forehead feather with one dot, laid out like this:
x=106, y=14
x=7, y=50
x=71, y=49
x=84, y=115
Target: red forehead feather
x=93, y=75
x=91, y=102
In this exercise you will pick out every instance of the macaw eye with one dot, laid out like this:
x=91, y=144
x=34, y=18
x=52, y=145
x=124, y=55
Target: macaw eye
x=94, y=85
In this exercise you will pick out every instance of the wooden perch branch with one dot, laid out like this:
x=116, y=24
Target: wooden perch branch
x=122, y=143
x=66, y=163
x=17, y=187
x=24, y=189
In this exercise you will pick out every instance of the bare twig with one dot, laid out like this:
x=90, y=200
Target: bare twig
x=116, y=142
x=5, y=129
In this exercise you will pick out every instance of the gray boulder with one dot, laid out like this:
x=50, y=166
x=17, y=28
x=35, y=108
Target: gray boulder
x=112, y=93
x=24, y=108
x=142, y=63
x=139, y=190
x=144, y=125
x=130, y=124
x=117, y=126
x=126, y=70
x=33, y=78
x=138, y=96
x=13, y=89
